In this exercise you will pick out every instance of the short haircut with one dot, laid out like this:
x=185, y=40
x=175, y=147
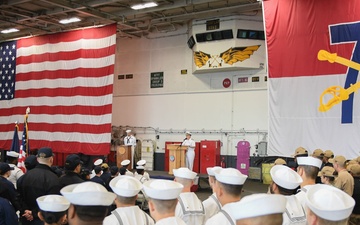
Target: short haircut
x=331, y=179
x=122, y=170
x=12, y=159
x=285, y=191
x=272, y=219
x=127, y=200
x=97, y=169
x=43, y=160
x=341, y=165
x=310, y=171
x=322, y=221
x=231, y=189
x=164, y=206
x=52, y=217
x=140, y=171
x=91, y=213
x=184, y=181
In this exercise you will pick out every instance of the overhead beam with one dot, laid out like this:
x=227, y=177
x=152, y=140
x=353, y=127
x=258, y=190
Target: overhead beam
x=210, y=13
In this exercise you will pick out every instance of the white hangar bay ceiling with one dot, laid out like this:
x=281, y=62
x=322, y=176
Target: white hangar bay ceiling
x=38, y=17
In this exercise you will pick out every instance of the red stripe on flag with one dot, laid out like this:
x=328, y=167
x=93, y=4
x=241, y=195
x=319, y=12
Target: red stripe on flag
x=74, y=147
x=71, y=147
x=54, y=110
x=79, y=128
x=89, y=33
x=58, y=74
x=51, y=57
x=65, y=92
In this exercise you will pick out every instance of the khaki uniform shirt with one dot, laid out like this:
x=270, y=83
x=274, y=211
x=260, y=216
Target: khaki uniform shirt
x=345, y=182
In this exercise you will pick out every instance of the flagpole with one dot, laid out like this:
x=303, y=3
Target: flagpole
x=24, y=148
x=26, y=127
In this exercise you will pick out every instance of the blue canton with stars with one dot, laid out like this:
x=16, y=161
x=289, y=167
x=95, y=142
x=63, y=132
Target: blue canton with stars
x=7, y=70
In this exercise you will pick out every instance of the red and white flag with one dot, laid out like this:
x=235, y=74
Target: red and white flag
x=301, y=84
x=67, y=81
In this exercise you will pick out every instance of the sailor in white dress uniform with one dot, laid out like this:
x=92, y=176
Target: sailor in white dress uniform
x=130, y=140
x=312, y=164
x=142, y=177
x=190, y=153
x=189, y=207
x=329, y=205
x=285, y=182
x=211, y=205
x=53, y=209
x=127, y=189
x=85, y=196
x=97, y=162
x=17, y=172
x=126, y=163
x=163, y=196
x=257, y=209
x=228, y=188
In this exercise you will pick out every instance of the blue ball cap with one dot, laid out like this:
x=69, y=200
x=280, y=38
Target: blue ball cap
x=45, y=152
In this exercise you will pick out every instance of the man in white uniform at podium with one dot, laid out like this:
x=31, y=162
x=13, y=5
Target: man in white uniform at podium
x=190, y=153
x=130, y=140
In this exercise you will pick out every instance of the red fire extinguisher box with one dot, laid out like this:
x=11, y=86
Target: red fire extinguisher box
x=196, y=167
x=209, y=154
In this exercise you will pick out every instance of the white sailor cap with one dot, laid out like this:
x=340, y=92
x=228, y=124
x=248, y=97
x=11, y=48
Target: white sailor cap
x=128, y=131
x=125, y=186
x=309, y=161
x=285, y=177
x=257, y=205
x=211, y=170
x=188, y=132
x=162, y=189
x=98, y=162
x=88, y=194
x=92, y=174
x=141, y=162
x=329, y=202
x=184, y=172
x=125, y=162
x=53, y=203
x=230, y=176
x=140, y=167
x=12, y=154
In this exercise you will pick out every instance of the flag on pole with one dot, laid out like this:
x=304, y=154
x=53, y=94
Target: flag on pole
x=15, y=146
x=24, y=148
x=67, y=81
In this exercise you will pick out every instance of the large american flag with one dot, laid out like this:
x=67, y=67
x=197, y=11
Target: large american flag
x=67, y=81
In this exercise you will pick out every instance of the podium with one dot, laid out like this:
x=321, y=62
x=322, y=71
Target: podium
x=176, y=156
x=123, y=152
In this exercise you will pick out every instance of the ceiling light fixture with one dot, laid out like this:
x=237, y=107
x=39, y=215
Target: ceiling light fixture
x=70, y=20
x=11, y=30
x=144, y=5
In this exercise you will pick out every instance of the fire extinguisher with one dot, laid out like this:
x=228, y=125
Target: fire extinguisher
x=223, y=163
